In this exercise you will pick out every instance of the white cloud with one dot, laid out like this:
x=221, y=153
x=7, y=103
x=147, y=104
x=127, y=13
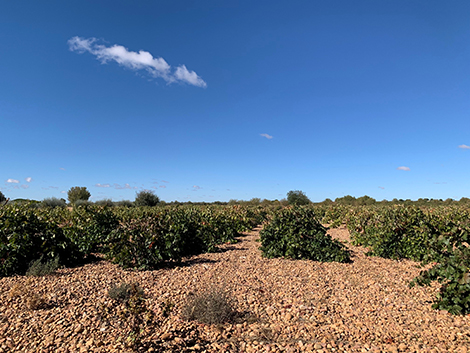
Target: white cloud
x=381, y=187
x=183, y=74
x=403, y=168
x=269, y=137
x=63, y=192
x=25, y=186
x=142, y=60
x=163, y=186
x=196, y=187
x=62, y=168
x=29, y=179
x=465, y=147
x=102, y=185
x=13, y=181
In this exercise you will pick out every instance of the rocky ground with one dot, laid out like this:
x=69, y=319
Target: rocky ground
x=282, y=306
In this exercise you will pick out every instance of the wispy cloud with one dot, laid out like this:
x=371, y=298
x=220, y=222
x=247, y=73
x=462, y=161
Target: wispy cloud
x=164, y=181
x=142, y=60
x=269, y=137
x=196, y=187
x=50, y=187
x=24, y=186
x=102, y=185
x=163, y=186
x=13, y=181
x=465, y=147
x=125, y=186
x=63, y=192
x=29, y=179
x=381, y=187
x=403, y=168
x=62, y=168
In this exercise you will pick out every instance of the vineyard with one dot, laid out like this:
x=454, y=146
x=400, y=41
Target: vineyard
x=141, y=238
x=147, y=239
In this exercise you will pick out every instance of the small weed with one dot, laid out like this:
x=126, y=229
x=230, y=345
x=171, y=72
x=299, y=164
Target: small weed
x=167, y=307
x=129, y=310
x=39, y=268
x=212, y=306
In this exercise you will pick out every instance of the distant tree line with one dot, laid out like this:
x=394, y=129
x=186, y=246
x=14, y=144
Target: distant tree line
x=80, y=195
x=367, y=200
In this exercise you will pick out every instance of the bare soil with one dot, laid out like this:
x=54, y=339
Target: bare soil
x=282, y=306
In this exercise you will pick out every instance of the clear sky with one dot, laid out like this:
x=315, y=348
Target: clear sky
x=218, y=100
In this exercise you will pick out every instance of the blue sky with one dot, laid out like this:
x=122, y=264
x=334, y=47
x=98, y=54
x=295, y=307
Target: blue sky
x=218, y=100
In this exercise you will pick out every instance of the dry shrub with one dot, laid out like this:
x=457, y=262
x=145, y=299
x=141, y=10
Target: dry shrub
x=31, y=299
x=35, y=301
x=125, y=291
x=16, y=291
x=211, y=306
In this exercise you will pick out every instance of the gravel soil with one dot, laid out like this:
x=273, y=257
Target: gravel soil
x=282, y=306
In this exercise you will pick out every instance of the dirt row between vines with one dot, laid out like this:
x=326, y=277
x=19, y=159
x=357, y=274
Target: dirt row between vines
x=282, y=305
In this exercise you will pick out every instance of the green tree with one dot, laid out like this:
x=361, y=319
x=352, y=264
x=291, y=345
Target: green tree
x=255, y=201
x=78, y=193
x=146, y=198
x=464, y=200
x=298, y=198
x=2, y=197
x=327, y=202
x=346, y=200
x=365, y=201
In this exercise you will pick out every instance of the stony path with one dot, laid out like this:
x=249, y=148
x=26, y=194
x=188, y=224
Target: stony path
x=283, y=305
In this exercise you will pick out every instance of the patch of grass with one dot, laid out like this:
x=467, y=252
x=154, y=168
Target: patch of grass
x=39, y=268
x=211, y=306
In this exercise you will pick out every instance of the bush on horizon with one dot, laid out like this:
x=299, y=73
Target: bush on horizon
x=297, y=198
x=77, y=193
x=146, y=198
x=53, y=202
